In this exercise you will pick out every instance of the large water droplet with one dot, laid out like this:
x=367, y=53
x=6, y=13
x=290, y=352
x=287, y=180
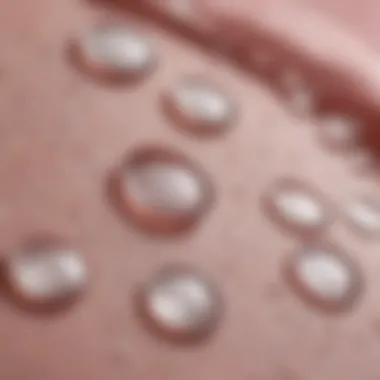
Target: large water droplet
x=114, y=52
x=297, y=207
x=181, y=303
x=200, y=107
x=162, y=190
x=325, y=277
x=45, y=273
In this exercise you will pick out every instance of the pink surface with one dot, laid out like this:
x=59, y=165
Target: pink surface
x=360, y=16
x=63, y=133
x=306, y=37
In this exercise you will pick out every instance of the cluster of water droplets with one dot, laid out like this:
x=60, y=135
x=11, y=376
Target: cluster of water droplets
x=163, y=191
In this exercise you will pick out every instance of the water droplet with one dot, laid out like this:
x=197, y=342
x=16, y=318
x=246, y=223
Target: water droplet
x=362, y=161
x=181, y=303
x=364, y=217
x=339, y=132
x=45, y=274
x=299, y=97
x=297, y=207
x=325, y=276
x=114, y=52
x=181, y=8
x=200, y=107
x=162, y=190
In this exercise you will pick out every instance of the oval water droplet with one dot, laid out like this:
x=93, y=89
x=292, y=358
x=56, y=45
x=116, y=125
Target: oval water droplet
x=325, y=277
x=181, y=303
x=363, y=162
x=297, y=94
x=45, y=273
x=162, y=191
x=114, y=52
x=297, y=207
x=339, y=132
x=182, y=9
x=364, y=216
x=200, y=107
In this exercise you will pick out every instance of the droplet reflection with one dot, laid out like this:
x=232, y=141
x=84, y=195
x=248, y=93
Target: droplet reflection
x=45, y=274
x=181, y=303
x=114, y=52
x=162, y=191
x=325, y=277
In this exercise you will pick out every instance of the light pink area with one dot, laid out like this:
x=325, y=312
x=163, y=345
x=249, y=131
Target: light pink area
x=313, y=36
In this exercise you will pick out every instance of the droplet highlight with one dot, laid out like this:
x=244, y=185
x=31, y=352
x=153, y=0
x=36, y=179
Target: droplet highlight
x=162, y=191
x=297, y=207
x=200, y=107
x=364, y=217
x=339, y=132
x=45, y=274
x=181, y=303
x=182, y=9
x=298, y=96
x=325, y=277
x=114, y=53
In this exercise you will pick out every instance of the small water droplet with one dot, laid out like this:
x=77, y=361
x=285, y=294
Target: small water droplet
x=200, y=107
x=363, y=161
x=325, y=277
x=180, y=8
x=162, y=190
x=299, y=97
x=114, y=52
x=297, y=207
x=364, y=217
x=339, y=132
x=45, y=273
x=181, y=303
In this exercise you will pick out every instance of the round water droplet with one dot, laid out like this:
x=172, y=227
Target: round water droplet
x=181, y=303
x=339, y=132
x=114, y=52
x=297, y=207
x=45, y=274
x=162, y=190
x=364, y=217
x=325, y=277
x=200, y=107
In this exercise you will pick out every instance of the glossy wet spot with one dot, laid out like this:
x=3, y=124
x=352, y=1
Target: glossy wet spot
x=181, y=303
x=298, y=95
x=325, y=277
x=338, y=132
x=199, y=107
x=297, y=207
x=114, y=52
x=364, y=216
x=163, y=191
x=45, y=274
x=180, y=8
